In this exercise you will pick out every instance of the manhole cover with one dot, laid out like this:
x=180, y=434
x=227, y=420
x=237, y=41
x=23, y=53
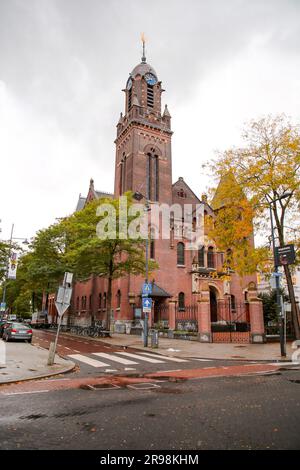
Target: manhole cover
x=143, y=386
x=103, y=387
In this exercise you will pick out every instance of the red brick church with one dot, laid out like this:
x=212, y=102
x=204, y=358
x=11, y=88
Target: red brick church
x=189, y=291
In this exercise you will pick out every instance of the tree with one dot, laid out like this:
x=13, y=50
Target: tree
x=88, y=254
x=267, y=169
x=232, y=228
x=270, y=305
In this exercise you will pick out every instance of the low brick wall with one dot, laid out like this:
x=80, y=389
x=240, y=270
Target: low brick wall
x=233, y=337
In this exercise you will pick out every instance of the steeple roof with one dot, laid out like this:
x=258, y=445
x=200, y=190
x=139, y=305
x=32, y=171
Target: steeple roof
x=142, y=69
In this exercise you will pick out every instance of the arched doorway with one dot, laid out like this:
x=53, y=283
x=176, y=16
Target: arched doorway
x=213, y=304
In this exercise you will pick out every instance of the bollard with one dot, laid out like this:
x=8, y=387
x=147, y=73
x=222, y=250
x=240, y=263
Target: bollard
x=51, y=356
x=154, y=339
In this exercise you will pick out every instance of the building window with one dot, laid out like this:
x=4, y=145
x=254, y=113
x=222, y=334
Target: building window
x=201, y=257
x=100, y=301
x=156, y=178
x=150, y=96
x=152, y=176
x=129, y=98
x=83, y=302
x=152, y=244
x=77, y=303
x=210, y=257
x=232, y=301
x=119, y=299
x=104, y=300
x=181, y=301
x=90, y=302
x=180, y=253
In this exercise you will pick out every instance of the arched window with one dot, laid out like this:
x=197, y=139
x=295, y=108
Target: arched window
x=180, y=253
x=104, y=300
x=232, y=301
x=181, y=301
x=152, y=244
x=210, y=257
x=119, y=299
x=201, y=257
x=152, y=175
x=100, y=301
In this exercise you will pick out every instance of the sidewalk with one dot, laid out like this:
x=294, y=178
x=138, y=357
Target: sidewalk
x=195, y=349
x=25, y=361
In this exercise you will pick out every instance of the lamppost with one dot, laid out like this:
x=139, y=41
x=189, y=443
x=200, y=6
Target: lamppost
x=272, y=204
x=25, y=242
x=139, y=196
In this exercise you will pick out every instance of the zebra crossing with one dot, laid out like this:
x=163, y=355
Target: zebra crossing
x=102, y=359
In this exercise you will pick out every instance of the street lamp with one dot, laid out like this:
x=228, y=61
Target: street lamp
x=25, y=242
x=138, y=197
x=277, y=284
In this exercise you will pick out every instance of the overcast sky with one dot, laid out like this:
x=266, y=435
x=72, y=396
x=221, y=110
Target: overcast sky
x=63, y=64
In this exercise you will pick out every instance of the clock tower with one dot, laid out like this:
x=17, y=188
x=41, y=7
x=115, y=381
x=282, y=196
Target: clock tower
x=143, y=143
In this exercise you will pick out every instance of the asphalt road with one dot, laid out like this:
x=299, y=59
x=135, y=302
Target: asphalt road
x=249, y=412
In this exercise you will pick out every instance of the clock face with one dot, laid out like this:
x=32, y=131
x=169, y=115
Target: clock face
x=129, y=84
x=150, y=78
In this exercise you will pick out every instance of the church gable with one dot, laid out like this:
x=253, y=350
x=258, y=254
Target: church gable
x=182, y=193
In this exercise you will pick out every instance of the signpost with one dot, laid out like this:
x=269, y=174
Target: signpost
x=147, y=304
x=285, y=255
x=62, y=304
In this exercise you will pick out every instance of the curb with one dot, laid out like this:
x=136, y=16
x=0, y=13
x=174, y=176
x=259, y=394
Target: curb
x=42, y=376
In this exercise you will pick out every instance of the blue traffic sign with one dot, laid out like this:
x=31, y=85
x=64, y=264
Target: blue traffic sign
x=146, y=289
x=147, y=304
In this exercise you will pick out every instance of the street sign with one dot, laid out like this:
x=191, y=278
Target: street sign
x=61, y=308
x=63, y=299
x=68, y=278
x=2, y=307
x=146, y=289
x=147, y=304
x=285, y=255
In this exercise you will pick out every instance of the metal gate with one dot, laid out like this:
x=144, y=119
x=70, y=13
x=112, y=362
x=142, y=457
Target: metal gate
x=233, y=323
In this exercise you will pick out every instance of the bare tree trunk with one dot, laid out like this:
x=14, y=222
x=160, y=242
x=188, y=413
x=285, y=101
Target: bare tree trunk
x=293, y=301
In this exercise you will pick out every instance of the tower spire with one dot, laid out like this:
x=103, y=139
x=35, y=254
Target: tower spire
x=143, y=41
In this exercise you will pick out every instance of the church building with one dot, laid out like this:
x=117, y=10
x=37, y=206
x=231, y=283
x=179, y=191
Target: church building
x=189, y=289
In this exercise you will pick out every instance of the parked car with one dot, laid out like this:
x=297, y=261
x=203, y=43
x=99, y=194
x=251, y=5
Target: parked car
x=17, y=331
x=3, y=324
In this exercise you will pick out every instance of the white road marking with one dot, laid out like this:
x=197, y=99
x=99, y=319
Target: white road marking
x=67, y=348
x=121, y=360
x=76, y=351
x=23, y=393
x=208, y=367
x=201, y=360
x=110, y=370
x=171, y=370
x=129, y=368
x=141, y=358
x=88, y=360
x=168, y=358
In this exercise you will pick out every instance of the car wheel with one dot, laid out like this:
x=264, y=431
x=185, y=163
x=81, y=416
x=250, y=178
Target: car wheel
x=29, y=340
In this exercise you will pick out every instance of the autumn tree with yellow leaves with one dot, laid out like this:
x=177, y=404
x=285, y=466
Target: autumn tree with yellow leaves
x=265, y=173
